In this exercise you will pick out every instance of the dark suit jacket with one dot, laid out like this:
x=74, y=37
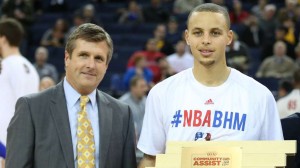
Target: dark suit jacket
x=39, y=134
x=291, y=131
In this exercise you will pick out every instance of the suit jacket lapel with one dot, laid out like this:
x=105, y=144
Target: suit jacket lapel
x=105, y=118
x=60, y=116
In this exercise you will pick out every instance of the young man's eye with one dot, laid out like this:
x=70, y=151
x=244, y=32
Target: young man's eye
x=197, y=33
x=215, y=33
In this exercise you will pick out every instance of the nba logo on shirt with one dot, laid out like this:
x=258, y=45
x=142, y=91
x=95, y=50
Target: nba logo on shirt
x=199, y=135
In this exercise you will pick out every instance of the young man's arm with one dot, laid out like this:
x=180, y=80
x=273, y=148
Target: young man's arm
x=147, y=161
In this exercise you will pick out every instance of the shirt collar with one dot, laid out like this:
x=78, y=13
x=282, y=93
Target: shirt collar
x=72, y=95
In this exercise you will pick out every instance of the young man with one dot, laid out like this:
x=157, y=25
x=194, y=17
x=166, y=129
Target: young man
x=74, y=124
x=18, y=77
x=209, y=101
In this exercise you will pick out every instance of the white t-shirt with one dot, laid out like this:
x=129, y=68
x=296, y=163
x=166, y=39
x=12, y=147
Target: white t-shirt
x=181, y=63
x=182, y=109
x=17, y=78
x=289, y=104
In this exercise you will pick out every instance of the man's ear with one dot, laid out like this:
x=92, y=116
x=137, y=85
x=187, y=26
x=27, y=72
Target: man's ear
x=186, y=32
x=230, y=37
x=67, y=58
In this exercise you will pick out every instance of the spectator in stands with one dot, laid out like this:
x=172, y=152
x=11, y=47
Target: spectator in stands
x=43, y=68
x=290, y=35
x=297, y=23
x=252, y=34
x=22, y=10
x=288, y=11
x=89, y=14
x=279, y=65
x=285, y=87
x=258, y=9
x=268, y=23
x=151, y=53
x=219, y=2
x=180, y=60
x=46, y=82
x=55, y=36
x=136, y=99
x=163, y=44
x=164, y=68
x=173, y=33
x=297, y=54
x=238, y=15
x=280, y=33
x=78, y=19
x=56, y=5
x=131, y=15
x=291, y=103
x=139, y=69
x=155, y=13
x=185, y=6
x=237, y=54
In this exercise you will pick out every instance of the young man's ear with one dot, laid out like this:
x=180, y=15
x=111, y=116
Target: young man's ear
x=230, y=37
x=187, y=37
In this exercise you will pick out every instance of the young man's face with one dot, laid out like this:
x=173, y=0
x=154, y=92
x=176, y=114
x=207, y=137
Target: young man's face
x=87, y=65
x=207, y=35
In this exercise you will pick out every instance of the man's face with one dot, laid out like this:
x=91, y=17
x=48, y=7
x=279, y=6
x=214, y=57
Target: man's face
x=87, y=65
x=279, y=49
x=41, y=57
x=208, y=35
x=160, y=32
x=140, y=89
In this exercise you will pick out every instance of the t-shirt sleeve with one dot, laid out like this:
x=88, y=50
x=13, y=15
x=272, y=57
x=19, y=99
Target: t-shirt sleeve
x=153, y=136
x=271, y=129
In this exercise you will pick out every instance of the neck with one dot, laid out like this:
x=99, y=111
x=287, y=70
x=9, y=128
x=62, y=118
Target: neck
x=8, y=51
x=211, y=76
x=137, y=98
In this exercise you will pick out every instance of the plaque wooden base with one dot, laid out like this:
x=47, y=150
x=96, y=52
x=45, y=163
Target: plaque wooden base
x=254, y=154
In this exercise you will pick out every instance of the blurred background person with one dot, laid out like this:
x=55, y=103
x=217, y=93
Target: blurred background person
x=279, y=65
x=290, y=104
x=181, y=59
x=285, y=87
x=136, y=99
x=252, y=33
x=173, y=33
x=139, y=69
x=46, y=82
x=21, y=10
x=164, y=68
x=131, y=15
x=155, y=12
x=163, y=43
x=18, y=76
x=89, y=14
x=152, y=53
x=56, y=36
x=238, y=14
x=185, y=6
x=258, y=9
x=43, y=68
x=237, y=54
